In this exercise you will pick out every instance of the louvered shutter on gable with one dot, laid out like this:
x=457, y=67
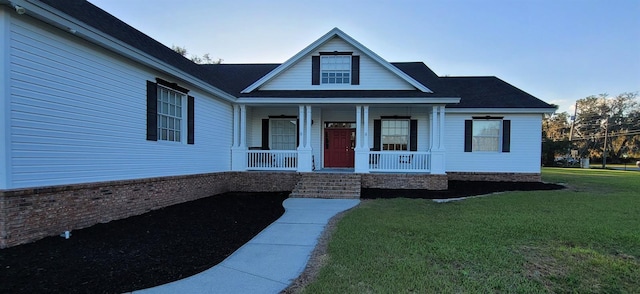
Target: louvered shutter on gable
x=315, y=70
x=355, y=70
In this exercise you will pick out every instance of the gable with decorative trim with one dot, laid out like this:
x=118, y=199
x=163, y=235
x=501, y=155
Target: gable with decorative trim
x=372, y=75
x=324, y=44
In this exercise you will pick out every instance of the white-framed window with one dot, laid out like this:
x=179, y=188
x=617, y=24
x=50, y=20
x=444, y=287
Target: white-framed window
x=486, y=135
x=283, y=134
x=335, y=69
x=395, y=135
x=171, y=112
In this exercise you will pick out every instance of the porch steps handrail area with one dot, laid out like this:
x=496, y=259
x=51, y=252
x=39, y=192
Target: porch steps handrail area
x=328, y=186
x=272, y=160
x=399, y=161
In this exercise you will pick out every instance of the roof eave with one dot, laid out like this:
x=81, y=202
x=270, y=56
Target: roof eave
x=349, y=100
x=521, y=110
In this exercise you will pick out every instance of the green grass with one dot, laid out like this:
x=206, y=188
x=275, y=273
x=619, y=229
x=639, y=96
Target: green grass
x=582, y=240
x=630, y=165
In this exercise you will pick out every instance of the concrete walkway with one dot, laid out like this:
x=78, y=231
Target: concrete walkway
x=270, y=261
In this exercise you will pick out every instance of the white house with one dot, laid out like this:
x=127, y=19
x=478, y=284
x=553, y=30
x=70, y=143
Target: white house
x=101, y=122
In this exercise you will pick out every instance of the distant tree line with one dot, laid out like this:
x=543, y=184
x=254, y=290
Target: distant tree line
x=204, y=59
x=602, y=127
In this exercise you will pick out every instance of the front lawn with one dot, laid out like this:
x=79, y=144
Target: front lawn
x=582, y=239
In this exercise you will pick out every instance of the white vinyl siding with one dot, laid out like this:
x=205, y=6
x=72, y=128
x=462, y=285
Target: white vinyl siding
x=78, y=114
x=373, y=76
x=5, y=114
x=524, y=155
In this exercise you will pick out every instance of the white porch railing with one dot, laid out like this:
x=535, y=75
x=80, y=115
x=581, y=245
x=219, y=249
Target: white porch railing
x=272, y=160
x=394, y=161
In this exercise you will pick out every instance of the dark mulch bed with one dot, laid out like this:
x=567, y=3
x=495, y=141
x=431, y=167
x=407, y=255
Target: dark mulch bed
x=142, y=251
x=170, y=243
x=460, y=189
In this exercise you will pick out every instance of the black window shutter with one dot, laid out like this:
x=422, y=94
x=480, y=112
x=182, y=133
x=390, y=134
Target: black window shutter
x=315, y=70
x=377, y=137
x=506, y=136
x=468, y=135
x=265, y=134
x=355, y=70
x=152, y=111
x=413, y=135
x=190, y=120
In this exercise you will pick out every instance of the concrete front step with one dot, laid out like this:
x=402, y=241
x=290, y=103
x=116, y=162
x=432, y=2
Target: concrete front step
x=330, y=186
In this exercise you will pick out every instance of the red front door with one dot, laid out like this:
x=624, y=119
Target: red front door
x=338, y=147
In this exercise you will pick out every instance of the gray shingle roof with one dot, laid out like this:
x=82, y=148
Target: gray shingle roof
x=490, y=92
x=475, y=92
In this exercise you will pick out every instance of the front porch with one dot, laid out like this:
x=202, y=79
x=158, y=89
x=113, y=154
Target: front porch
x=404, y=139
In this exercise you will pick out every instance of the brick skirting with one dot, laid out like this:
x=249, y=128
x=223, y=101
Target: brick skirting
x=260, y=181
x=495, y=177
x=28, y=215
x=405, y=181
x=31, y=214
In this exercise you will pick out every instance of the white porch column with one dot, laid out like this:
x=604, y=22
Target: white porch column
x=358, y=126
x=236, y=126
x=305, y=157
x=239, y=147
x=365, y=128
x=309, y=121
x=438, y=162
x=301, y=129
x=361, y=151
x=243, y=127
x=434, y=136
x=442, y=128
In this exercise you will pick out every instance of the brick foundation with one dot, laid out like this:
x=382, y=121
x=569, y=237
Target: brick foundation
x=27, y=215
x=256, y=181
x=495, y=177
x=31, y=214
x=405, y=181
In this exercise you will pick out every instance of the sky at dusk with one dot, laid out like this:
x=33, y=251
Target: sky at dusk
x=556, y=50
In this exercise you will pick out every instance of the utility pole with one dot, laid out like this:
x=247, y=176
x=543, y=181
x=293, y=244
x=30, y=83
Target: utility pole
x=604, y=152
x=573, y=121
